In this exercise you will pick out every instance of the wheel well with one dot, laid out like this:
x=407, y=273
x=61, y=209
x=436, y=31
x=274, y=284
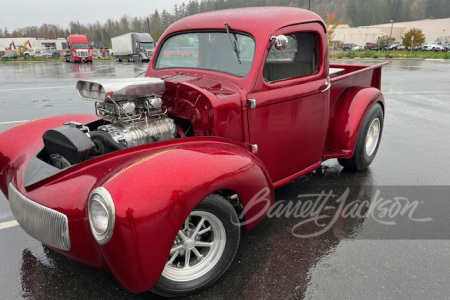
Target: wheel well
x=234, y=199
x=381, y=104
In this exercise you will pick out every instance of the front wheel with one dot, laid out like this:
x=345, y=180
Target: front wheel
x=203, y=249
x=368, y=141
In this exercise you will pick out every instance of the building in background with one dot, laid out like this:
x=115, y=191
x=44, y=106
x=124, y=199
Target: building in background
x=433, y=30
x=38, y=44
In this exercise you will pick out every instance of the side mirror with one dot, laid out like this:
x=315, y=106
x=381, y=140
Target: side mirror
x=280, y=42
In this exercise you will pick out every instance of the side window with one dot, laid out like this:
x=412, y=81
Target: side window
x=298, y=59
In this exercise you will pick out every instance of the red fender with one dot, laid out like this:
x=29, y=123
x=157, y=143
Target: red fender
x=154, y=188
x=346, y=118
x=21, y=142
x=154, y=195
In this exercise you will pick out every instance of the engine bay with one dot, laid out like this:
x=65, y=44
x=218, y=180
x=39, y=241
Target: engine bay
x=130, y=115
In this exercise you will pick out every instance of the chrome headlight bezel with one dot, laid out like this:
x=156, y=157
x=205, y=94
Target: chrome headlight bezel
x=102, y=197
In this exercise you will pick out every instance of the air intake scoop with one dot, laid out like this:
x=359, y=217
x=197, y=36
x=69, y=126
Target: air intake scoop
x=120, y=89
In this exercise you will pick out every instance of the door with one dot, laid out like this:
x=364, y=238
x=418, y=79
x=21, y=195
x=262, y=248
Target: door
x=289, y=113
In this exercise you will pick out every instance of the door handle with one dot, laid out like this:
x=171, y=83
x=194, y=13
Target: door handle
x=327, y=87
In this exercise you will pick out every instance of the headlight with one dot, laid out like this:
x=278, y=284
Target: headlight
x=102, y=215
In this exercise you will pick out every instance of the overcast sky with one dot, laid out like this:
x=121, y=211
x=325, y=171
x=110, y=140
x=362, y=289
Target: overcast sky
x=22, y=13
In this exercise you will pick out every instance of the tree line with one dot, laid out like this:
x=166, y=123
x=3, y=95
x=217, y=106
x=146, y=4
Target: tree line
x=353, y=12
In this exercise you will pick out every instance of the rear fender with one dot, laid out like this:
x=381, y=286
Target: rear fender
x=346, y=118
x=154, y=195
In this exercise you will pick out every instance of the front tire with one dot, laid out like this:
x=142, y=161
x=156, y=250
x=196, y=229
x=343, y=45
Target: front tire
x=368, y=141
x=203, y=250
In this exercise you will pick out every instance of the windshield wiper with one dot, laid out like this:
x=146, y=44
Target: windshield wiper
x=234, y=43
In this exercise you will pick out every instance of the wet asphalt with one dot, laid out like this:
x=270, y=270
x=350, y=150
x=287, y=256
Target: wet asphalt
x=397, y=251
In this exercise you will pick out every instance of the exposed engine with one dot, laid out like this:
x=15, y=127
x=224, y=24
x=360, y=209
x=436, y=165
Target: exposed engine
x=133, y=123
x=131, y=115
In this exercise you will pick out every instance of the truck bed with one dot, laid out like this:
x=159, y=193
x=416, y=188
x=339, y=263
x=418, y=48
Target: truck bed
x=345, y=76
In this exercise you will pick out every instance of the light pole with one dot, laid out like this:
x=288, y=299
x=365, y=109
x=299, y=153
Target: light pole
x=309, y=4
x=390, y=35
x=392, y=25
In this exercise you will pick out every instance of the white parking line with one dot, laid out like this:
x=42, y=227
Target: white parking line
x=9, y=224
x=38, y=88
x=13, y=122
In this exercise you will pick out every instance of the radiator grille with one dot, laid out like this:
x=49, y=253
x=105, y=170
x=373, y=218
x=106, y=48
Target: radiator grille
x=82, y=53
x=42, y=223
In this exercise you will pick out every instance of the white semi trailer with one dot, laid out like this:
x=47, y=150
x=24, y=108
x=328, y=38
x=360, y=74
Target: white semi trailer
x=133, y=46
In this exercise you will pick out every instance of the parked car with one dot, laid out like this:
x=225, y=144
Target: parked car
x=51, y=54
x=346, y=47
x=394, y=46
x=414, y=48
x=437, y=47
x=357, y=48
x=372, y=46
x=10, y=55
x=400, y=48
x=156, y=185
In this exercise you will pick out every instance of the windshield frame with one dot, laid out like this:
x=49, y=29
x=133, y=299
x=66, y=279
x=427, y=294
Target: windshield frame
x=234, y=33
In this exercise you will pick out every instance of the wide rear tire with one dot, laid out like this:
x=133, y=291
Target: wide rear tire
x=203, y=249
x=368, y=141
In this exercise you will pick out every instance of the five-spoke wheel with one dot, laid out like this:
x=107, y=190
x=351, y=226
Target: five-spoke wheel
x=203, y=249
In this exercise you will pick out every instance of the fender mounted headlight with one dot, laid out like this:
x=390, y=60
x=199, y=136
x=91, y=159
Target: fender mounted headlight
x=102, y=215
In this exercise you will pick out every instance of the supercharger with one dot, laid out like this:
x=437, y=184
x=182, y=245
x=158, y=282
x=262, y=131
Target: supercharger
x=134, y=113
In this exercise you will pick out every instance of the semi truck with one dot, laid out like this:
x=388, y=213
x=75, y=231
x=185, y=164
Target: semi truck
x=78, y=50
x=133, y=46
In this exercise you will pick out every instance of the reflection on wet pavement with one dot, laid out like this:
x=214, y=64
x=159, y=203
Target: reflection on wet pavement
x=354, y=258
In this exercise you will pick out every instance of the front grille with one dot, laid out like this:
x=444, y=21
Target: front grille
x=82, y=53
x=42, y=223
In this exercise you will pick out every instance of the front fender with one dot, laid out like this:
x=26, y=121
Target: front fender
x=20, y=143
x=346, y=118
x=155, y=194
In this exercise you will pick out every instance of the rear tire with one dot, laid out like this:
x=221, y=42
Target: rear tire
x=368, y=141
x=207, y=243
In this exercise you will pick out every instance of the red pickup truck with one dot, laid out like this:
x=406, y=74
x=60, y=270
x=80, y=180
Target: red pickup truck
x=156, y=186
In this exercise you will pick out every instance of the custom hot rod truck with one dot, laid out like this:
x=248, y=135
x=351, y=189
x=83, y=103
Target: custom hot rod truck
x=156, y=186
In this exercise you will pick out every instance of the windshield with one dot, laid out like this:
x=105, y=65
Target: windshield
x=147, y=45
x=79, y=45
x=207, y=51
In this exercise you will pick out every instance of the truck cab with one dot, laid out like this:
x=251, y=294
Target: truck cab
x=133, y=46
x=78, y=49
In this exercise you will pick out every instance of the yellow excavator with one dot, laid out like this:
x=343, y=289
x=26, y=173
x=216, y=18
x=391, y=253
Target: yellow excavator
x=27, y=50
x=25, y=47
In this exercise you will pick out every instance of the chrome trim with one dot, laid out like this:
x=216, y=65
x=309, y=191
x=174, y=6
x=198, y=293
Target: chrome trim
x=119, y=89
x=251, y=103
x=108, y=203
x=82, y=53
x=327, y=87
x=254, y=148
x=42, y=223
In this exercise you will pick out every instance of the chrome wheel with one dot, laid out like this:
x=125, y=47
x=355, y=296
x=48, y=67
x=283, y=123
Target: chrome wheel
x=373, y=134
x=197, y=248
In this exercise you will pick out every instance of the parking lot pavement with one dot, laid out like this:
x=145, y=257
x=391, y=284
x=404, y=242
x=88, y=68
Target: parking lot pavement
x=354, y=259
